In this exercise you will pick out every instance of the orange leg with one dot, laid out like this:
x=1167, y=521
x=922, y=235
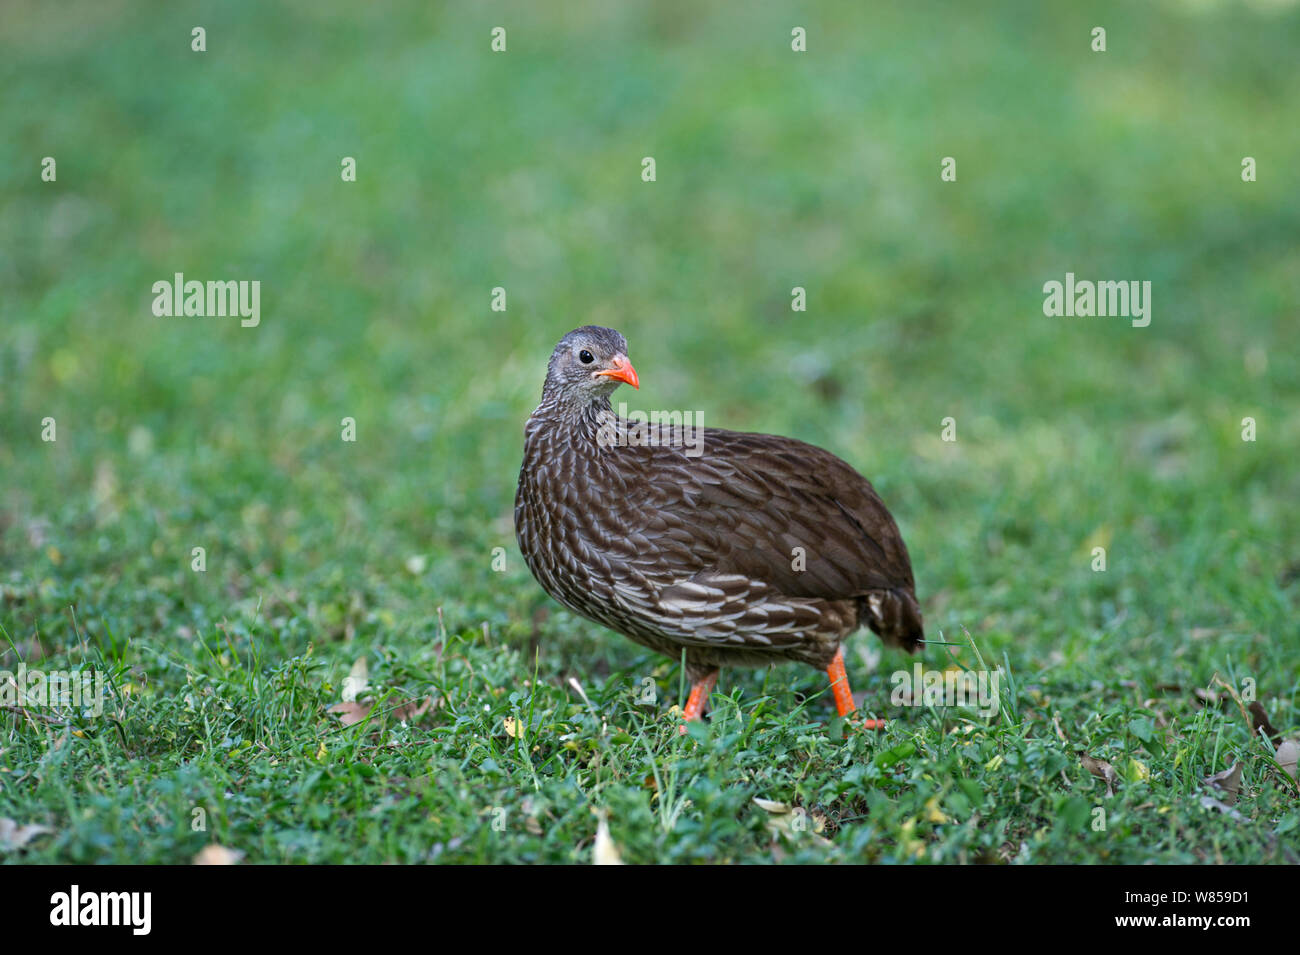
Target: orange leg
x=843, y=695
x=699, y=696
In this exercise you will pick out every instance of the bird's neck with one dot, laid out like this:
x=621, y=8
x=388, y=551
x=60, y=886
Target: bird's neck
x=588, y=432
x=582, y=418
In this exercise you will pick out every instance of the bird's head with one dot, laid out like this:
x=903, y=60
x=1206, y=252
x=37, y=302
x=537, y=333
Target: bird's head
x=588, y=364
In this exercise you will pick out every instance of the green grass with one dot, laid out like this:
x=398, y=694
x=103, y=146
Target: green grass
x=523, y=170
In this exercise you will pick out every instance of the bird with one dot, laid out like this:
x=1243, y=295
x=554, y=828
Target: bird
x=732, y=548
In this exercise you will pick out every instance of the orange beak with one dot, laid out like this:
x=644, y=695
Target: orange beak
x=622, y=371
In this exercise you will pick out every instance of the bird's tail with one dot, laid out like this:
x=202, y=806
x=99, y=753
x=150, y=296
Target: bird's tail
x=895, y=615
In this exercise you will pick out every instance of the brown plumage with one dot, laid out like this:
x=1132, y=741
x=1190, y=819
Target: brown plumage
x=622, y=523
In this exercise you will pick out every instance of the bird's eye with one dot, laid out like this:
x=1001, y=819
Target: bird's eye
x=585, y=357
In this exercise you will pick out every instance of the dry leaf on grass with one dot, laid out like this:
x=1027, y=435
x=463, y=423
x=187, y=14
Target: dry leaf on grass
x=1286, y=757
x=1103, y=771
x=1259, y=721
x=604, y=852
x=357, y=681
x=217, y=855
x=351, y=713
x=14, y=836
x=786, y=820
x=1226, y=783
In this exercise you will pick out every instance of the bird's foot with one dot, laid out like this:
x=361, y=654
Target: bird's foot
x=699, y=697
x=868, y=724
x=844, y=696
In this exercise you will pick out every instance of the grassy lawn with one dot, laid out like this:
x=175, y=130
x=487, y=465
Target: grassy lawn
x=522, y=170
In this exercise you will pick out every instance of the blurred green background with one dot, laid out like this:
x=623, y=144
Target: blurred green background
x=774, y=169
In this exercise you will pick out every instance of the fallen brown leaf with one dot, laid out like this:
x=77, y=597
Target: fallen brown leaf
x=604, y=852
x=1227, y=782
x=1102, y=770
x=357, y=681
x=14, y=836
x=351, y=713
x=1286, y=757
x=791, y=821
x=1259, y=720
x=217, y=855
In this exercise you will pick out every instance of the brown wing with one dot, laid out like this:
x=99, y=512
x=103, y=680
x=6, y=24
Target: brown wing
x=753, y=504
